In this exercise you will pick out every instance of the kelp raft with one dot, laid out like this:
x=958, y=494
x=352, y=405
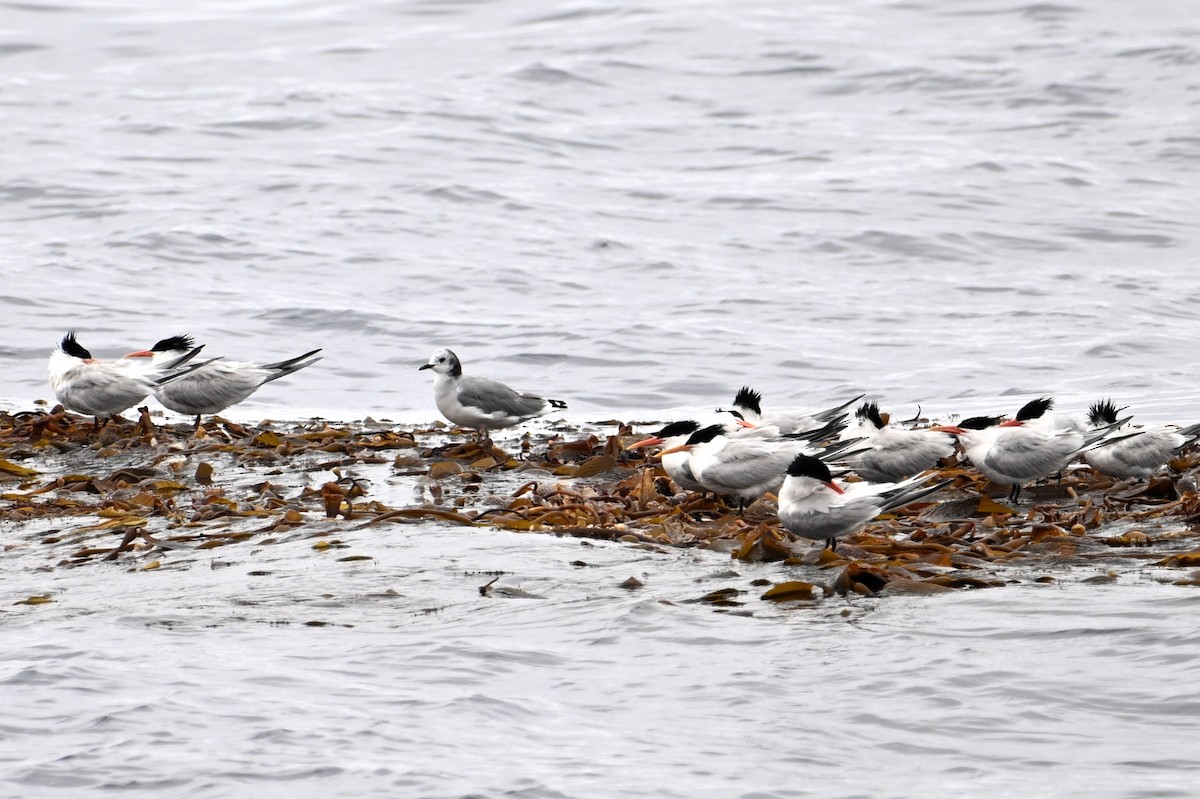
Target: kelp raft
x=139, y=491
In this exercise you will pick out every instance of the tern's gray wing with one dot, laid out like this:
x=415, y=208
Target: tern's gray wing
x=895, y=458
x=211, y=388
x=1031, y=454
x=101, y=391
x=830, y=521
x=492, y=396
x=1149, y=450
x=749, y=464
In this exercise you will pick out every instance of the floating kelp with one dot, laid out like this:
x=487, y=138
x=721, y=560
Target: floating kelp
x=142, y=493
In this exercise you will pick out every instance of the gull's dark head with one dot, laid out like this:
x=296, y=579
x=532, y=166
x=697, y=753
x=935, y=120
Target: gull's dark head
x=444, y=362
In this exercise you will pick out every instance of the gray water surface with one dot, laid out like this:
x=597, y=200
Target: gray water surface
x=632, y=207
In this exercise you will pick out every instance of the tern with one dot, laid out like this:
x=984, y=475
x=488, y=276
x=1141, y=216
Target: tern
x=740, y=465
x=677, y=463
x=104, y=389
x=893, y=453
x=747, y=406
x=480, y=403
x=1017, y=452
x=218, y=384
x=812, y=505
x=1139, y=456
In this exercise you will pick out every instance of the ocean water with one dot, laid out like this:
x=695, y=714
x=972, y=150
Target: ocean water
x=637, y=208
x=631, y=207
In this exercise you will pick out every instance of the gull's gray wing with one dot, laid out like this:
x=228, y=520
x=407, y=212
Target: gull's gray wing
x=491, y=397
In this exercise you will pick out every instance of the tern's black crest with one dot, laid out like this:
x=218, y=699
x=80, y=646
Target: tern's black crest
x=72, y=347
x=749, y=399
x=1103, y=412
x=173, y=343
x=678, y=429
x=706, y=434
x=808, y=466
x=870, y=412
x=980, y=422
x=1034, y=409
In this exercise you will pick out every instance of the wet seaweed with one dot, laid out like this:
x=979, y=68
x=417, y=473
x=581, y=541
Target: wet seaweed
x=140, y=492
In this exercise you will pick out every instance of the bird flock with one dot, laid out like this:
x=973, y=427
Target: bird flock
x=168, y=370
x=794, y=455
x=741, y=453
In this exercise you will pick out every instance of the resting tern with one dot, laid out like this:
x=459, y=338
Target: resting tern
x=480, y=403
x=1139, y=456
x=812, y=505
x=104, y=389
x=1016, y=452
x=218, y=384
x=893, y=453
x=740, y=465
x=747, y=405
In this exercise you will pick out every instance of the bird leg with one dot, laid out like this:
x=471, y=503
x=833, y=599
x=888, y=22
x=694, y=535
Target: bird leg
x=1014, y=494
